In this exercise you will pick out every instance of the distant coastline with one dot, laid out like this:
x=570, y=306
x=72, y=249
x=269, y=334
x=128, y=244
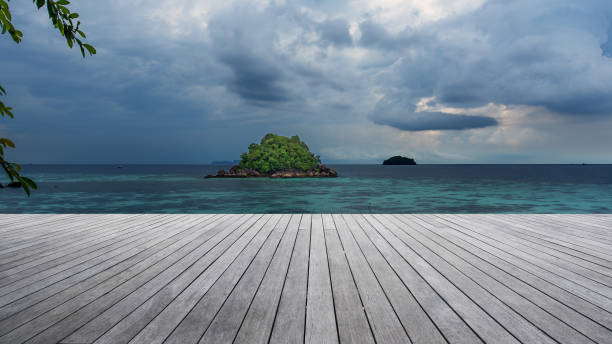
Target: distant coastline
x=224, y=162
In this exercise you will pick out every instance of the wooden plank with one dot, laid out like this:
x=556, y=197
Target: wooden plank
x=65, y=258
x=418, y=325
x=529, y=310
x=590, y=270
x=481, y=322
x=32, y=228
x=305, y=222
x=24, y=223
x=93, y=233
x=110, y=278
x=320, y=316
x=353, y=326
x=227, y=321
x=570, y=249
x=455, y=231
x=50, y=231
x=63, y=320
x=74, y=231
x=258, y=322
x=182, y=318
x=328, y=222
x=30, y=284
x=30, y=257
x=454, y=329
x=553, y=231
x=122, y=321
x=487, y=264
x=536, y=259
x=48, y=298
x=585, y=228
x=531, y=232
x=386, y=326
x=291, y=314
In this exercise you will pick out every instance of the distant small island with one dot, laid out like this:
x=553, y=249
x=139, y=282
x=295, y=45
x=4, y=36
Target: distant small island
x=399, y=160
x=277, y=157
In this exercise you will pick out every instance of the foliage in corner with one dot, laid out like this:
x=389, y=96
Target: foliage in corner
x=63, y=20
x=276, y=153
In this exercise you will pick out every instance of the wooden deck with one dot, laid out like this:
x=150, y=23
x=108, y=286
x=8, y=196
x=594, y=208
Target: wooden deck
x=305, y=278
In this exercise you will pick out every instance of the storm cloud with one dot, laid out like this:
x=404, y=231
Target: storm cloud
x=551, y=54
x=480, y=77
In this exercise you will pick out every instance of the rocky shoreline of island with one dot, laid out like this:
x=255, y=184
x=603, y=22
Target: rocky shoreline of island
x=320, y=171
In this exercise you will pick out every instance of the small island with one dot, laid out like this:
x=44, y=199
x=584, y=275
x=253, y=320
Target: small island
x=277, y=157
x=399, y=160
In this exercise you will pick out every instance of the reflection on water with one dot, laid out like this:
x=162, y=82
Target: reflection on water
x=360, y=189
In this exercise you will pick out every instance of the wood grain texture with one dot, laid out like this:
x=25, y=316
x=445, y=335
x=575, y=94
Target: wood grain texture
x=298, y=278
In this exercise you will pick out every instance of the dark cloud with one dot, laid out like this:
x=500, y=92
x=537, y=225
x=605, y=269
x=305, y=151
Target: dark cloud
x=375, y=35
x=399, y=113
x=421, y=121
x=335, y=31
x=201, y=72
x=606, y=47
x=546, y=54
x=254, y=79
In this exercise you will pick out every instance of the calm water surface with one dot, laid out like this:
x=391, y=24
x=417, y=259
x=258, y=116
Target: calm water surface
x=359, y=189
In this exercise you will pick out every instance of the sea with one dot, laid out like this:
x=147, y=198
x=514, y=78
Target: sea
x=358, y=189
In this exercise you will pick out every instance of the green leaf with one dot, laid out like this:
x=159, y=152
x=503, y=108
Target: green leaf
x=7, y=142
x=73, y=15
x=90, y=49
x=60, y=26
x=30, y=182
x=40, y=3
x=63, y=2
x=81, y=33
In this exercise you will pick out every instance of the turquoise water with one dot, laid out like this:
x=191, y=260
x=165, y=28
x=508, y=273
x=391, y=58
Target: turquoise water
x=359, y=189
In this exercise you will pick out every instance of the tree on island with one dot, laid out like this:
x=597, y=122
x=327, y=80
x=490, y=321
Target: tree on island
x=276, y=153
x=63, y=20
x=399, y=160
x=278, y=157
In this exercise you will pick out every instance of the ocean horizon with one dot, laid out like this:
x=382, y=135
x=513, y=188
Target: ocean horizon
x=360, y=188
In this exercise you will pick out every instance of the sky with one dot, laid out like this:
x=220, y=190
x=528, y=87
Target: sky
x=443, y=81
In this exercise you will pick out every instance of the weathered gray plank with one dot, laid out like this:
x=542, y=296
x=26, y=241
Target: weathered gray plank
x=453, y=230
x=291, y=314
x=227, y=321
x=201, y=250
x=529, y=310
x=110, y=278
x=32, y=283
x=599, y=273
x=418, y=325
x=182, y=319
x=514, y=228
x=74, y=232
x=71, y=256
x=385, y=324
x=328, y=222
x=480, y=321
x=320, y=317
x=353, y=326
x=534, y=258
x=486, y=264
x=54, y=325
x=454, y=329
x=52, y=296
x=126, y=318
x=258, y=322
